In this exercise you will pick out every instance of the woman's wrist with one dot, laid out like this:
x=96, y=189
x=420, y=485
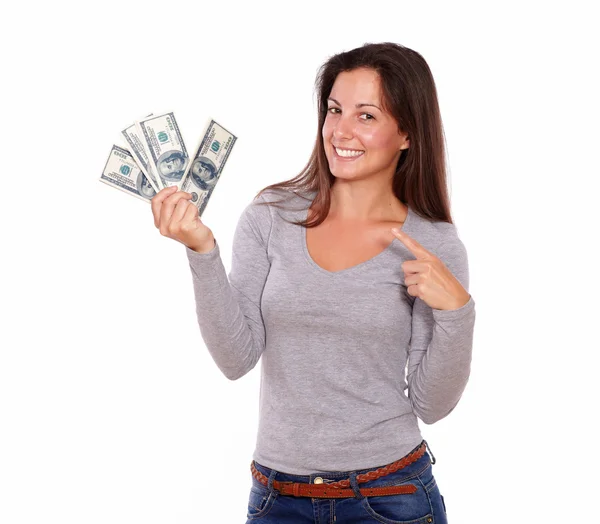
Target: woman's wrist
x=206, y=247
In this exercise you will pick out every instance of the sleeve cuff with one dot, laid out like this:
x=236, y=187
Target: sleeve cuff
x=452, y=314
x=209, y=256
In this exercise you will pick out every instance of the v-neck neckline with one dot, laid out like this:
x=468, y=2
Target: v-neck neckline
x=356, y=267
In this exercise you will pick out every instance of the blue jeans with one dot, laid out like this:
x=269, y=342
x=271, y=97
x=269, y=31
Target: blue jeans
x=424, y=506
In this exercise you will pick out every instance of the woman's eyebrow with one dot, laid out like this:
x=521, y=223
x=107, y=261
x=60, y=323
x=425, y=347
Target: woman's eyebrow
x=357, y=105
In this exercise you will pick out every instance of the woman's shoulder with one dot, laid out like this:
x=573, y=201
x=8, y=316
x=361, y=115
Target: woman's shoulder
x=282, y=203
x=274, y=195
x=431, y=233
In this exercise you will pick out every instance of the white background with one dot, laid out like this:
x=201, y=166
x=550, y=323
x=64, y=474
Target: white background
x=111, y=409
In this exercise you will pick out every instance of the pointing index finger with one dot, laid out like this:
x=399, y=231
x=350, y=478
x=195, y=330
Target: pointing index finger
x=413, y=246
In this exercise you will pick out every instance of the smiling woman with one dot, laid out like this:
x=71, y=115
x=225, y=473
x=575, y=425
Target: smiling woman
x=361, y=331
x=360, y=143
x=379, y=131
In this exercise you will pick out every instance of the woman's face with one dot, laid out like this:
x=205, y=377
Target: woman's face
x=367, y=138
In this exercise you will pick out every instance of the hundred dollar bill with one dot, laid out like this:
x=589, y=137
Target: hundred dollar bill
x=122, y=172
x=203, y=172
x=136, y=147
x=167, y=154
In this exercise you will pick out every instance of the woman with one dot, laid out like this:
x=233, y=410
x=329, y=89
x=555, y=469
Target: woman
x=348, y=305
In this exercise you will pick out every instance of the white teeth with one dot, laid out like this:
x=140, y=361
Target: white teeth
x=348, y=152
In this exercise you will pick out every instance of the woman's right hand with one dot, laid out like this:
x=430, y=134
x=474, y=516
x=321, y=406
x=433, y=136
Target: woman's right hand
x=177, y=218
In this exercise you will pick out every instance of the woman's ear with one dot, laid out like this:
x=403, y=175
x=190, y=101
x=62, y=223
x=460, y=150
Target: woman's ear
x=406, y=142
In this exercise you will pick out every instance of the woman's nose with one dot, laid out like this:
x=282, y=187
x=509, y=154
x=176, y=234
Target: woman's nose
x=342, y=129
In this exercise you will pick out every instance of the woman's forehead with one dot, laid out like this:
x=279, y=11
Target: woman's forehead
x=363, y=84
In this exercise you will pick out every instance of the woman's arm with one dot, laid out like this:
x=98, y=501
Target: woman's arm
x=228, y=308
x=439, y=360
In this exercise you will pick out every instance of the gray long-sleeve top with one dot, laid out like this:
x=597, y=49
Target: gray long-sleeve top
x=349, y=358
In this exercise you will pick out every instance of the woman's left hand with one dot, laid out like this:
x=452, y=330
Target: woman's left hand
x=428, y=278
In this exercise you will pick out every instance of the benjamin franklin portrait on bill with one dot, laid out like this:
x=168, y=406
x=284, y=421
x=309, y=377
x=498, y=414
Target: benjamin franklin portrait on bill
x=171, y=165
x=144, y=187
x=204, y=173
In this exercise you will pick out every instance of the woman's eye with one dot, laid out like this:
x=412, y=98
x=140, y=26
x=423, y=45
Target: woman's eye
x=334, y=111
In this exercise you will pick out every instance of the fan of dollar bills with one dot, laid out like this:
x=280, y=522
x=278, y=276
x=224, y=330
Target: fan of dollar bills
x=156, y=157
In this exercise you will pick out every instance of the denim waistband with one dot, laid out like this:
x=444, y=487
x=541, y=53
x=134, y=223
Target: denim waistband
x=332, y=476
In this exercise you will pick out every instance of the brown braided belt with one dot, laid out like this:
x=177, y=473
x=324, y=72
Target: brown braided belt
x=335, y=489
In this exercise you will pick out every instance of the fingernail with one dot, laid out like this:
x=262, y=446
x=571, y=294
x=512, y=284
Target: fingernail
x=395, y=230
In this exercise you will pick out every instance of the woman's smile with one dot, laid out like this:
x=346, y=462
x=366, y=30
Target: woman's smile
x=347, y=154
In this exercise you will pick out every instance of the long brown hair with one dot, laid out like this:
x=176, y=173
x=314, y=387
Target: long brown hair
x=409, y=95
